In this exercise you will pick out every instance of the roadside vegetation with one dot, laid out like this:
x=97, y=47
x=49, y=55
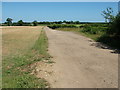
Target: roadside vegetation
x=97, y=32
x=107, y=33
x=92, y=30
x=19, y=53
x=54, y=26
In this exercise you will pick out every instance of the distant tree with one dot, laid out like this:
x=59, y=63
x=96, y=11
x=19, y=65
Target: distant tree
x=59, y=22
x=71, y=22
x=108, y=14
x=9, y=21
x=20, y=23
x=35, y=23
x=64, y=21
x=77, y=22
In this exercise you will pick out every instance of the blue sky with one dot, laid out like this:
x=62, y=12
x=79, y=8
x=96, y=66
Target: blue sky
x=60, y=0
x=55, y=11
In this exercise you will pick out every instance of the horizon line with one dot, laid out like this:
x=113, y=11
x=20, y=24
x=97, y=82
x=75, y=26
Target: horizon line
x=57, y=21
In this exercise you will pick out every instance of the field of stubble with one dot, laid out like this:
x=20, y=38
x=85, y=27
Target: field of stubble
x=21, y=47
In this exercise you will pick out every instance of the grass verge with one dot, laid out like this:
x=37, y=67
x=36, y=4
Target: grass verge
x=16, y=70
x=98, y=37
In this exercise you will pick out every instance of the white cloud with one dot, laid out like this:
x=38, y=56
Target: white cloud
x=60, y=0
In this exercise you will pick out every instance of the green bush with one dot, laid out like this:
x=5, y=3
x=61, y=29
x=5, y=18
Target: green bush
x=94, y=28
x=112, y=36
x=35, y=23
x=54, y=26
x=109, y=40
x=86, y=28
x=114, y=28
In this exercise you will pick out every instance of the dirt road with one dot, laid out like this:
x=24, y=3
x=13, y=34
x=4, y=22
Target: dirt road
x=79, y=63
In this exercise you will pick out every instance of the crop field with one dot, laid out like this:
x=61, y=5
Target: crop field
x=17, y=39
x=22, y=46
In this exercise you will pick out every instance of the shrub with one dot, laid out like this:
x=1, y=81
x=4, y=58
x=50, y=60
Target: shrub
x=35, y=23
x=115, y=26
x=94, y=28
x=86, y=28
x=20, y=23
x=61, y=26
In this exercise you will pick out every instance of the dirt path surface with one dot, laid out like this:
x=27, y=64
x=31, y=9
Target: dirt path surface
x=79, y=63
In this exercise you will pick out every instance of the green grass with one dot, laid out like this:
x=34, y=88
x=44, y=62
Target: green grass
x=92, y=36
x=41, y=45
x=97, y=33
x=16, y=70
x=69, y=29
x=43, y=24
x=55, y=26
x=79, y=31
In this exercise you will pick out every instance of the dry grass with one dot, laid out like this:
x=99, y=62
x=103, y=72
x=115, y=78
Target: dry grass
x=19, y=47
x=16, y=40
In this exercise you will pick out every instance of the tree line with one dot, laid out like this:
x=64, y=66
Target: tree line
x=19, y=23
x=35, y=23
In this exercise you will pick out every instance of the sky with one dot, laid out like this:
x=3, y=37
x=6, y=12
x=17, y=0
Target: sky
x=60, y=0
x=56, y=11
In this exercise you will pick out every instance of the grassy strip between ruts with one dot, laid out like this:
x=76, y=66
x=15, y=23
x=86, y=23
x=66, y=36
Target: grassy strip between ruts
x=17, y=69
